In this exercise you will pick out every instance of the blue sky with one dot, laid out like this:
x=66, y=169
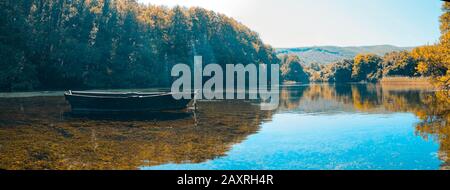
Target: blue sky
x=294, y=23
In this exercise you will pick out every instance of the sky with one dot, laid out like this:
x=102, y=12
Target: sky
x=297, y=23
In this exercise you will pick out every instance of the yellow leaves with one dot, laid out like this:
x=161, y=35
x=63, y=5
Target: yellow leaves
x=399, y=64
x=429, y=57
x=445, y=48
x=425, y=57
x=359, y=58
x=434, y=60
x=365, y=58
x=154, y=16
x=446, y=6
x=445, y=23
x=445, y=18
x=444, y=81
x=366, y=67
x=422, y=67
x=96, y=6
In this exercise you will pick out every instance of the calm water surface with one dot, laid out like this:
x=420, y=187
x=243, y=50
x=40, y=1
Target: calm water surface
x=316, y=127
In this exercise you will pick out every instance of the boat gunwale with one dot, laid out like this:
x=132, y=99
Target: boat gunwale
x=119, y=95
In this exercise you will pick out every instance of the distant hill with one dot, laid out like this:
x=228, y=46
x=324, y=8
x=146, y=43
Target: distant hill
x=329, y=54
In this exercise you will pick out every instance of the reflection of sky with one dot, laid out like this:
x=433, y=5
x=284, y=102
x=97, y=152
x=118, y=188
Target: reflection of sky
x=341, y=141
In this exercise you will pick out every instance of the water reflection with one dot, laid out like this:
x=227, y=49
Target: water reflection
x=435, y=121
x=37, y=132
x=431, y=107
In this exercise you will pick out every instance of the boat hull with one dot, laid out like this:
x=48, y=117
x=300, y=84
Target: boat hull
x=110, y=102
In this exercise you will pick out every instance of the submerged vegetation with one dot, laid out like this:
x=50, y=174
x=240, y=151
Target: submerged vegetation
x=85, y=44
x=37, y=133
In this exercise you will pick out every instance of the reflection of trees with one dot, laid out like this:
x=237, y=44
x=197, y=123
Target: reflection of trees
x=360, y=97
x=35, y=135
x=435, y=117
x=432, y=108
x=366, y=97
x=290, y=97
x=323, y=97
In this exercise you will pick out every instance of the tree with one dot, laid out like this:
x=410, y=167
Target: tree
x=343, y=71
x=434, y=60
x=444, y=81
x=292, y=69
x=16, y=70
x=429, y=60
x=399, y=64
x=367, y=67
x=58, y=44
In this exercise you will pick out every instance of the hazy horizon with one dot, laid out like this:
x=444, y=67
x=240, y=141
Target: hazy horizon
x=347, y=23
x=351, y=46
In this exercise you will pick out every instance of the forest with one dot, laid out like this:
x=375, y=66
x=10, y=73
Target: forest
x=84, y=44
x=431, y=61
x=364, y=68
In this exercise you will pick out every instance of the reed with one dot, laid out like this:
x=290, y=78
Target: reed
x=406, y=80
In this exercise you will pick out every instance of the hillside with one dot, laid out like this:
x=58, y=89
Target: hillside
x=84, y=44
x=329, y=54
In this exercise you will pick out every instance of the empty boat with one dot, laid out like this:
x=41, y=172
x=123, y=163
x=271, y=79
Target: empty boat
x=101, y=102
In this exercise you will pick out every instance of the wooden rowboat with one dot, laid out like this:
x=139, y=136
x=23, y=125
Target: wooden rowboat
x=107, y=102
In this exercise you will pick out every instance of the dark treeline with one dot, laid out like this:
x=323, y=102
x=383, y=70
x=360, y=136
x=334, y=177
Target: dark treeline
x=62, y=44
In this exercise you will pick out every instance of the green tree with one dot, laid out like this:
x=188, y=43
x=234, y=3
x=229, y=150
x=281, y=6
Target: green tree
x=16, y=70
x=59, y=44
x=367, y=67
x=292, y=69
x=343, y=71
x=399, y=64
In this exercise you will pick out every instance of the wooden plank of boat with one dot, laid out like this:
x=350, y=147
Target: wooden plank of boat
x=115, y=94
x=93, y=102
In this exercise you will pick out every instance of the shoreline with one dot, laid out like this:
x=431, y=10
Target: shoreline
x=406, y=80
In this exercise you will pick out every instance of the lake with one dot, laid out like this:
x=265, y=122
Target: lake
x=316, y=127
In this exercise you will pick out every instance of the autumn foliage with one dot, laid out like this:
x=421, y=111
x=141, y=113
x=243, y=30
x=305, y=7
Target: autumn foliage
x=83, y=44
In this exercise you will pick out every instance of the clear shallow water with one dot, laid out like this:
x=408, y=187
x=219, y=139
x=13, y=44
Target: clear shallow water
x=337, y=142
x=341, y=127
